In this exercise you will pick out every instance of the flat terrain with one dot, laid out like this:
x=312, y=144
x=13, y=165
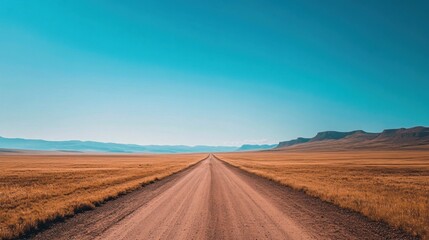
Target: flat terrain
x=392, y=186
x=39, y=188
x=213, y=200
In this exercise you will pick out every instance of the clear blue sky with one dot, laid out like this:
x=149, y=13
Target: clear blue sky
x=219, y=73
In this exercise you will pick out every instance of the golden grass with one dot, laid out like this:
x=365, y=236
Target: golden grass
x=35, y=189
x=392, y=186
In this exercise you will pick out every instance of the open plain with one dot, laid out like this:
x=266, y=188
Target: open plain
x=388, y=185
x=213, y=200
x=39, y=188
x=47, y=196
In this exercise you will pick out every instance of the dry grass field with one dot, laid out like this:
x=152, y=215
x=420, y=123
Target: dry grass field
x=35, y=189
x=392, y=186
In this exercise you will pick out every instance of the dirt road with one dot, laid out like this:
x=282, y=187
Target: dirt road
x=213, y=200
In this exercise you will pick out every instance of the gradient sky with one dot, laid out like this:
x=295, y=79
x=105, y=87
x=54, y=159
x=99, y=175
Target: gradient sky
x=219, y=73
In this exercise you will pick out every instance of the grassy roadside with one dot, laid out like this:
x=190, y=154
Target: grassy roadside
x=38, y=189
x=392, y=186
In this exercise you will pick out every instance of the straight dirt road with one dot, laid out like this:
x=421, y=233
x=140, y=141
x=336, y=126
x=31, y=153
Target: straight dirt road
x=213, y=200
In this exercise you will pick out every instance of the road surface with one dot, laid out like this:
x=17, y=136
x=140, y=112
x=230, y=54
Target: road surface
x=213, y=200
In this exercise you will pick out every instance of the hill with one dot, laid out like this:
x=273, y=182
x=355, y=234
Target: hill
x=255, y=147
x=292, y=142
x=91, y=146
x=402, y=138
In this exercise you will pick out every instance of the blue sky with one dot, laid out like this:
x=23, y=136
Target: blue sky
x=219, y=73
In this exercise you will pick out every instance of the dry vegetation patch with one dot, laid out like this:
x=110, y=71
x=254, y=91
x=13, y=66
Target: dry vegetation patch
x=35, y=189
x=392, y=186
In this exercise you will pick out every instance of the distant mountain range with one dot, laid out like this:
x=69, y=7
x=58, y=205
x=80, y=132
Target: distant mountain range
x=253, y=147
x=402, y=138
x=91, y=146
x=8, y=144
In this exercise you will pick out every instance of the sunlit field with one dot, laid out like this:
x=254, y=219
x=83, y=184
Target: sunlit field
x=35, y=189
x=392, y=186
